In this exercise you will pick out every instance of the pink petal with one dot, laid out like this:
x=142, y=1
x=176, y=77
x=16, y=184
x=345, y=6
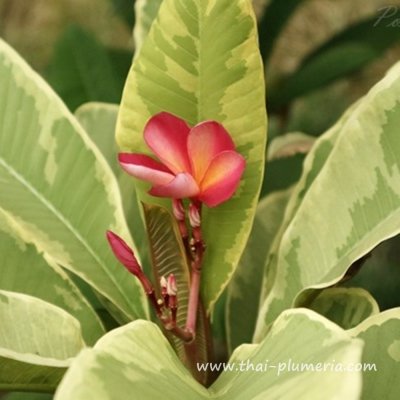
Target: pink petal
x=166, y=135
x=182, y=186
x=123, y=253
x=205, y=141
x=145, y=168
x=222, y=178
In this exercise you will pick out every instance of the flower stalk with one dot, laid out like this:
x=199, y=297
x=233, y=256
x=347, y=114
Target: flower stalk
x=197, y=252
x=165, y=308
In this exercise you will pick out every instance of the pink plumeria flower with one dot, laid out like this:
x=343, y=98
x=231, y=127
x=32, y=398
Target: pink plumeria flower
x=199, y=163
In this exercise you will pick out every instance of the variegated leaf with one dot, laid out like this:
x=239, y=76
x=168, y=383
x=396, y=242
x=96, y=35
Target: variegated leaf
x=347, y=307
x=24, y=270
x=145, y=13
x=60, y=190
x=99, y=121
x=290, y=144
x=380, y=273
x=312, y=166
x=37, y=342
x=177, y=70
x=132, y=358
x=244, y=290
x=381, y=355
x=352, y=203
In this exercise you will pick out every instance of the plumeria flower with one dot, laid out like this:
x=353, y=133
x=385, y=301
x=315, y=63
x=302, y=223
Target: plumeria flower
x=199, y=163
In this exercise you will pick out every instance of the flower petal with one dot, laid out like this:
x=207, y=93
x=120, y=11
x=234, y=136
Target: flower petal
x=166, y=135
x=205, y=141
x=181, y=187
x=145, y=168
x=222, y=178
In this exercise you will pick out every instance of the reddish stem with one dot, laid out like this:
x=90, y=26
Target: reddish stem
x=193, y=301
x=197, y=261
x=173, y=306
x=151, y=294
x=180, y=333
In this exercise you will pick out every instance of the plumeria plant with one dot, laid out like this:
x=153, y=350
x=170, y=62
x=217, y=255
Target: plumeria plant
x=199, y=164
x=221, y=294
x=202, y=165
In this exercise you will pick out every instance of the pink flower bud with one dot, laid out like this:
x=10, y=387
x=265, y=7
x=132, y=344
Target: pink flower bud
x=194, y=216
x=163, y=283
x=172, y=289
x=178, y=210
x=123, y=253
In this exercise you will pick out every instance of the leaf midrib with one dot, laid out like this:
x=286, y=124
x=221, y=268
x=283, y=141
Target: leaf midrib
x=66, y=223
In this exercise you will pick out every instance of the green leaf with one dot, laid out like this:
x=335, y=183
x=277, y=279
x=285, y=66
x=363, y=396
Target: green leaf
x=345, y=53
x=355, y=186
x=125, y=9
x=285, y=156
x=81, y=70
x=275, y=17
x=37, y=342
x=99, y=121
x=27, y=396
x=132, y=358
x=245, y=288
x=121, y=61
x=380, y=274
x=179, y=72
x=169, y=257
x=299, y=337
x=282, y=173
x=316, y=160
x=312, y=166
x=145, y=11
x=381, y=355
x=289, y=145
x=24, y=270
x=60, y=190
x=346, y=307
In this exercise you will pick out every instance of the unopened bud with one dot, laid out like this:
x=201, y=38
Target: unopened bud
x=163, y=283
x=172, y=289
x=194, y=216
x=178, y=209
x=123, y=253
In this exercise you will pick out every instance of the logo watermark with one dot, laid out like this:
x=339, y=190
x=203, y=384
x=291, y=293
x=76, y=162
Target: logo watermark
x=388, y=17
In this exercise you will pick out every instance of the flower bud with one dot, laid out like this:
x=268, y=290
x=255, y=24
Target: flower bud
x=163, y=286
x=178, y=209
x=172, y=289
x=194, y=216
x=163, y=283
x=123, y=253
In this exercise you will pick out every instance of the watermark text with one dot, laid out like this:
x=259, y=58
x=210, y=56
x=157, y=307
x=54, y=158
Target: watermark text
x=388, y=17
x=288, y=366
